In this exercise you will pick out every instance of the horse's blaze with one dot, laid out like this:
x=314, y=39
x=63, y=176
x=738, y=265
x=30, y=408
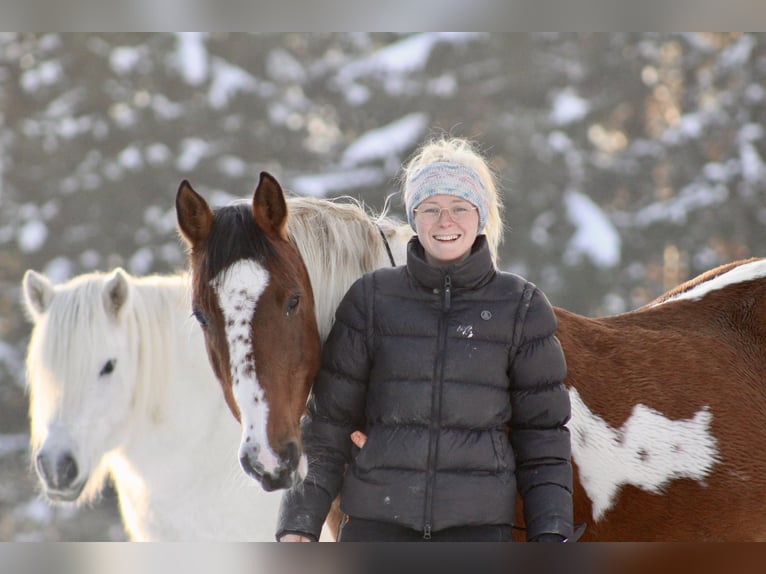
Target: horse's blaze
x=648, y=451
x=238, y=290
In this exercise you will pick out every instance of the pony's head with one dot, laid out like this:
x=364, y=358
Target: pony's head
x=81, y=376
x=252, y=296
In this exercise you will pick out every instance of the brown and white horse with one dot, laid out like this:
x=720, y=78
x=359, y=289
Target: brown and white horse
x=668, y=405
x=667, y=400
x=253, y=297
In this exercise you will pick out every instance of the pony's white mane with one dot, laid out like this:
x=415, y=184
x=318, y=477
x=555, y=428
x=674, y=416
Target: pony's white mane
x=339, y=242
x=77, y=308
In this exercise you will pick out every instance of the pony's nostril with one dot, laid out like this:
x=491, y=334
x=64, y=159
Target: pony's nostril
x=43, y=468
x=66, y=469
x=59, y=473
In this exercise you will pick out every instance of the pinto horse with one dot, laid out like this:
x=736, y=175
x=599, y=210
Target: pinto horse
x=255, y=300
x=667, y=401
x=659, y=395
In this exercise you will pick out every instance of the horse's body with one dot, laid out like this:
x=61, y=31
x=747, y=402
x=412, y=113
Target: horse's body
x=667, y=400
x=121, y=388
x=668, y=405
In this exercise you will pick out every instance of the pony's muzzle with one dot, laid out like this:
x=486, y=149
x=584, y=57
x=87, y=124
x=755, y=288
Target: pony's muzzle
x=59, y=474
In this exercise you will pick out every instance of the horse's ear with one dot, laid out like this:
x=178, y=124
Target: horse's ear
x=116, y=292
x=269, y=207
x=195, y=218
x=38, y=293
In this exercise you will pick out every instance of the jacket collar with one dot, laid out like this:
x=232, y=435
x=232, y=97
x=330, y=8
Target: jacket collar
x=472, y=272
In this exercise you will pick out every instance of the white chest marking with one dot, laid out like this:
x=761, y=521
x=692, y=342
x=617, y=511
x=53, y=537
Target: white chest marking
x=648, y=451
x=238, y=289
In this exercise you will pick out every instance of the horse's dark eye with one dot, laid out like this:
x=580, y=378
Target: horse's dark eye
x=292, y=304
x=108, y=367
x=200, y=316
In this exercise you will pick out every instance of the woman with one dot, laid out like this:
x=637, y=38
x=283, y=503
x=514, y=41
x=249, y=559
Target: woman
x=452, y=369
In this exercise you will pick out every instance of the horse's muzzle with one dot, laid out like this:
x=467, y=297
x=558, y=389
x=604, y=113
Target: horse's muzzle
x=59, y=475
x=284, y=476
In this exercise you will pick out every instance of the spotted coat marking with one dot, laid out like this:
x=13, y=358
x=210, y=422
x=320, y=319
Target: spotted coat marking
x=648, y=451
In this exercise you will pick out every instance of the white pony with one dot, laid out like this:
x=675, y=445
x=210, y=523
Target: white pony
x=120, y=386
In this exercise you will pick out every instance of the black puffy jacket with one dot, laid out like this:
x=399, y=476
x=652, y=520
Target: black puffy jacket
x=439, y=366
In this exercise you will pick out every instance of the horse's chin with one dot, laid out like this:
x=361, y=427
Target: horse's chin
x=68, y=495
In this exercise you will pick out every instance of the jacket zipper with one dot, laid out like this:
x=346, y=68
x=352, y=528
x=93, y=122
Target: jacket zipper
x=436, y=405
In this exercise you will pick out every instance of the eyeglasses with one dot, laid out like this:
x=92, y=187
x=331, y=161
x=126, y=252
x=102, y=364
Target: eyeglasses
x=459, y=213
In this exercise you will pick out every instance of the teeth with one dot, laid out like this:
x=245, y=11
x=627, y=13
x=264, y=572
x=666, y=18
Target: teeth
x=446, y=237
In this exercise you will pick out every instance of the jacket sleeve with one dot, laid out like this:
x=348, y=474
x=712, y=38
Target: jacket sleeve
x=540, y=410
x=335, y=409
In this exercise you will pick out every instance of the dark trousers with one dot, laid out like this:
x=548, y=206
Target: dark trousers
x=354, y=529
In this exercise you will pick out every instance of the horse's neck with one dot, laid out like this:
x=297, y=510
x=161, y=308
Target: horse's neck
x=339, y=250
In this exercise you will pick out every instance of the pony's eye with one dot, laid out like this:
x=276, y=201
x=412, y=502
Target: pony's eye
x=200, y=316
x=292, y=304
x=108, y=367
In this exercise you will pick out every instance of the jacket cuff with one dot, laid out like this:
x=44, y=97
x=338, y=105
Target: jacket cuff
x=281, y=533
x=548, y=510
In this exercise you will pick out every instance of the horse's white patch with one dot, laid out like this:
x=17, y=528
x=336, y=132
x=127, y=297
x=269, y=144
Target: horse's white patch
x=465, y=331
x=648, y=451
x=745, y=272
x=238, y=288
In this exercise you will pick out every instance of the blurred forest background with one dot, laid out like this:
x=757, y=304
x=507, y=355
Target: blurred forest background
x=629, y=162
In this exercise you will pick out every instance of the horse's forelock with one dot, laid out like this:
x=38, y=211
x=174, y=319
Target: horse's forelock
x=77, y=307
x=235, y=237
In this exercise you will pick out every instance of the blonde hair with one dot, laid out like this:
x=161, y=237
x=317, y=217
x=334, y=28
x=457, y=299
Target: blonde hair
x=463, y=152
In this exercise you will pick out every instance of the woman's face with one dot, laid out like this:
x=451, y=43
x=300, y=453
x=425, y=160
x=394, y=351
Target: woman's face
x=445, y=240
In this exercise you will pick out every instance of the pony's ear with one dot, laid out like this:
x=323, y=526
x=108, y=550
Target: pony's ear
x=269, y=207
x=38, y=293
x=195, y=218
x=116, y=291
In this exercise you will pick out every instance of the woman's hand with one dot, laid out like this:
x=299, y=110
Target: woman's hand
x=358, y=438
x=294, y=538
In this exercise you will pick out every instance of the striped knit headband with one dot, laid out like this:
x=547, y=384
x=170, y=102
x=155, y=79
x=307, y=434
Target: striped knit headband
x=447, y=178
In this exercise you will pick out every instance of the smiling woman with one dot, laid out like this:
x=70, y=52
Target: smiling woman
x=434, y=361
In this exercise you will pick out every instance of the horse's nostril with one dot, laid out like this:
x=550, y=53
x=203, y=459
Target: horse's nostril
x=254, y=469
x=290, y=454
x=59, y=473
x=42, y=468
x=66, y=470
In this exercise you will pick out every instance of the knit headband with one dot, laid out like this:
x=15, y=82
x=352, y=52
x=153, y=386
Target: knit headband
x=447, y=178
